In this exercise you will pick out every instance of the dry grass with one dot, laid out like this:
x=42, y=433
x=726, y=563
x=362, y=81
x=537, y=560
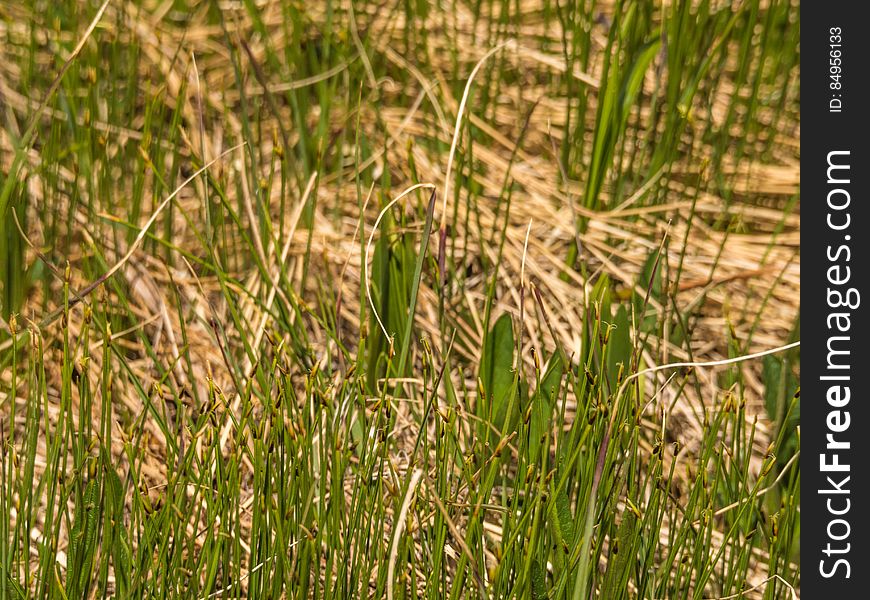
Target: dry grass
x=728, y=220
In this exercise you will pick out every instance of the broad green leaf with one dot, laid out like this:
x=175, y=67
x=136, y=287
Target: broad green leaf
x=542, y=410
x=14, y=589
x=497, y=373
x=539, y=581
x=634, y=81
x=622, y=553
x=780, y=387
x=561, y=523
x=649, y=273
x=619, y=345
x=771, y=375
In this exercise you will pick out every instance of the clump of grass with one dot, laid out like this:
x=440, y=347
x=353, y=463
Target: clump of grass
x=233, y=365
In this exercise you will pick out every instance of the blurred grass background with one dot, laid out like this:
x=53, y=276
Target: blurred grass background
x=202, y=397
